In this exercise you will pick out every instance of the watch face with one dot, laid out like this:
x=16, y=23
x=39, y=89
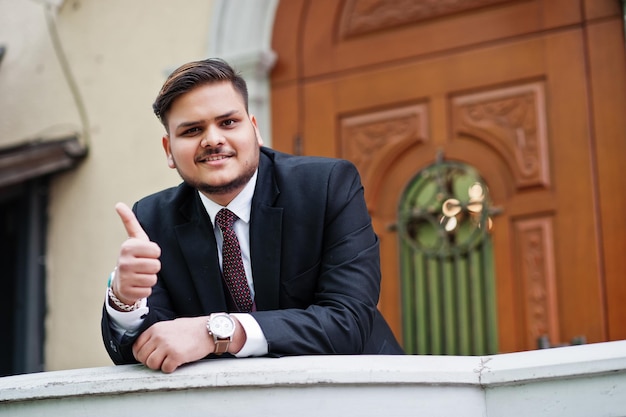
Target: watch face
x=222, y=326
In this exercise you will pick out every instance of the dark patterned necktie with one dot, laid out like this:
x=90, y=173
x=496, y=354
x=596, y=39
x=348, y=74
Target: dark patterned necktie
x=232, y=264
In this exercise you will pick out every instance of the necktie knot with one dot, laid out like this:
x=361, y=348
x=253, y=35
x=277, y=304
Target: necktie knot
x=225, y=219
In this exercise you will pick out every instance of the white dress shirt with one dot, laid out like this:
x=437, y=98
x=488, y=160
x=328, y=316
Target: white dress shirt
x=256, y=344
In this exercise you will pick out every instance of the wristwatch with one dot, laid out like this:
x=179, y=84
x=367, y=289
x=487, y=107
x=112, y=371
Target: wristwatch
x=222, y=327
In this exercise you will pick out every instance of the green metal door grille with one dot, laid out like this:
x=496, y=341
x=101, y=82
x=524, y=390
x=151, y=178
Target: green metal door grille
x=448, y=283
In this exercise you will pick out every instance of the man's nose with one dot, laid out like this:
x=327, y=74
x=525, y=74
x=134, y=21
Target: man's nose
x=213, y=137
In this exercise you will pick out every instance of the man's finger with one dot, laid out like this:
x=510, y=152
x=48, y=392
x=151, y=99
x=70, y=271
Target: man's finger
x=131, y=224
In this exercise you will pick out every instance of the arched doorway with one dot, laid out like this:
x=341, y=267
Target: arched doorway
x=516, y=89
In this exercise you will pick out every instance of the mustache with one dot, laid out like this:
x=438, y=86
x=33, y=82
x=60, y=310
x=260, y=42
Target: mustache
x=206, y=153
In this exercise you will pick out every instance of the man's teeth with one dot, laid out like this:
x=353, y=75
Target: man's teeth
x=215, y=158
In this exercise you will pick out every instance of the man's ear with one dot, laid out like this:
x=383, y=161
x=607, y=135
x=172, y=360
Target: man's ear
x=256, y=130
x=168, y=152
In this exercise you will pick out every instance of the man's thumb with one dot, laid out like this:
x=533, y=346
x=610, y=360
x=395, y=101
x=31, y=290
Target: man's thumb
x=131, y=224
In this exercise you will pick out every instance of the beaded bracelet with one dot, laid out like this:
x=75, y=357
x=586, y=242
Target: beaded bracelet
x=121, y=305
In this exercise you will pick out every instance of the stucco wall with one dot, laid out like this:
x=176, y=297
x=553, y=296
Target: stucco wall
x=120, y=52
x=35, y=101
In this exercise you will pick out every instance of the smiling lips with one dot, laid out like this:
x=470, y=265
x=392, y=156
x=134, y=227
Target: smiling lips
x=212, y=157
x=216, y=158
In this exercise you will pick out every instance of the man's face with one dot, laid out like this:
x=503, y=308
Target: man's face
x=213, y=143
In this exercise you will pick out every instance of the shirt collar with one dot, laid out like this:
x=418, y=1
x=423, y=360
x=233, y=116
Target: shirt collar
x=241, y=205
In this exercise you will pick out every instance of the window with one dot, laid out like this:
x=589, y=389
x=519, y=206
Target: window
x=22, y=277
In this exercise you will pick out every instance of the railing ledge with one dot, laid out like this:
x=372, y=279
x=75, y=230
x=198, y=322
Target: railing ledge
x=572, y=380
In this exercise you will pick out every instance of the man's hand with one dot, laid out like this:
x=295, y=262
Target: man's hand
x=138, y=262
x=166, y=345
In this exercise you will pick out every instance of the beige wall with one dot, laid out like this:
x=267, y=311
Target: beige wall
x=35, y=101
x=119, y=52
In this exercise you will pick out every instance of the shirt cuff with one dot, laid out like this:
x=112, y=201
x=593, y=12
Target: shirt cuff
x=126, y=322
x=256, y=343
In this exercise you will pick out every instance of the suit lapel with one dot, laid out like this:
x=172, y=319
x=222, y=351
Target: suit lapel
x=265, y=237
x=197, y=243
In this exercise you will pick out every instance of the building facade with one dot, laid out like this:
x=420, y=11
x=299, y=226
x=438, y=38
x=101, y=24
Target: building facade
x=77, y=135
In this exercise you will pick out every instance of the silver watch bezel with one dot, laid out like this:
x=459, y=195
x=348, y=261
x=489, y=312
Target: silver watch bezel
x=216, y=330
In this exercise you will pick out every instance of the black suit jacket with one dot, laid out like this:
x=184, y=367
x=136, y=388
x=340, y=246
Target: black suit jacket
x=315, y=260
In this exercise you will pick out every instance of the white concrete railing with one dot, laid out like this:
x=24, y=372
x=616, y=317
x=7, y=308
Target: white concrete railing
x=588, y=380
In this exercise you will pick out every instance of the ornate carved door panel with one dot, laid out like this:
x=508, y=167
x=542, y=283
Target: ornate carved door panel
x=520, y=91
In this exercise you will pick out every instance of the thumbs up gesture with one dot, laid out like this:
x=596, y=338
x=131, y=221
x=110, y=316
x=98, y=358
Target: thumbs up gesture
x=138, y=262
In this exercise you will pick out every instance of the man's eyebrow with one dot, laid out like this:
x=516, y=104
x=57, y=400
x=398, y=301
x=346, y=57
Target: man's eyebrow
x=183, y=125
x=188, y=124
x=227, y=115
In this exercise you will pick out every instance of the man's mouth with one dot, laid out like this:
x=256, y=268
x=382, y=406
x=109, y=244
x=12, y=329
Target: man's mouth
x=212, y=158
x=215, y=158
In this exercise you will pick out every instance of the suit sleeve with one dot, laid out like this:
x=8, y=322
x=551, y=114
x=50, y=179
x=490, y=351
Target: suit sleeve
x=340, y=316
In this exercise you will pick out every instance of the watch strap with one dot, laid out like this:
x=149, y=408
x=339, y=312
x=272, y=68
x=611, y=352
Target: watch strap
x=221, y=346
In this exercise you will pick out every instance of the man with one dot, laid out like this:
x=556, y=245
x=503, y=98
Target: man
x=298, y=271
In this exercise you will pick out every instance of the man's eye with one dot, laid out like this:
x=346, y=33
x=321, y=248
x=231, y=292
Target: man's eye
x=191, y=131
x=228, y=122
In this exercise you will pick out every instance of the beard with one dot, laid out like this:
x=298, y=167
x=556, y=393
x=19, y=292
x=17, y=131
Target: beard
x=237, y=183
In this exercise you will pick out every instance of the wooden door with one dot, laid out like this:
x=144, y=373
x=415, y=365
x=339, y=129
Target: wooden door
x=529, y=93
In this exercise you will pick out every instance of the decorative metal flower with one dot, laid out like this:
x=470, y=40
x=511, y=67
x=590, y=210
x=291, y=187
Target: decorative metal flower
x=446, y=210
